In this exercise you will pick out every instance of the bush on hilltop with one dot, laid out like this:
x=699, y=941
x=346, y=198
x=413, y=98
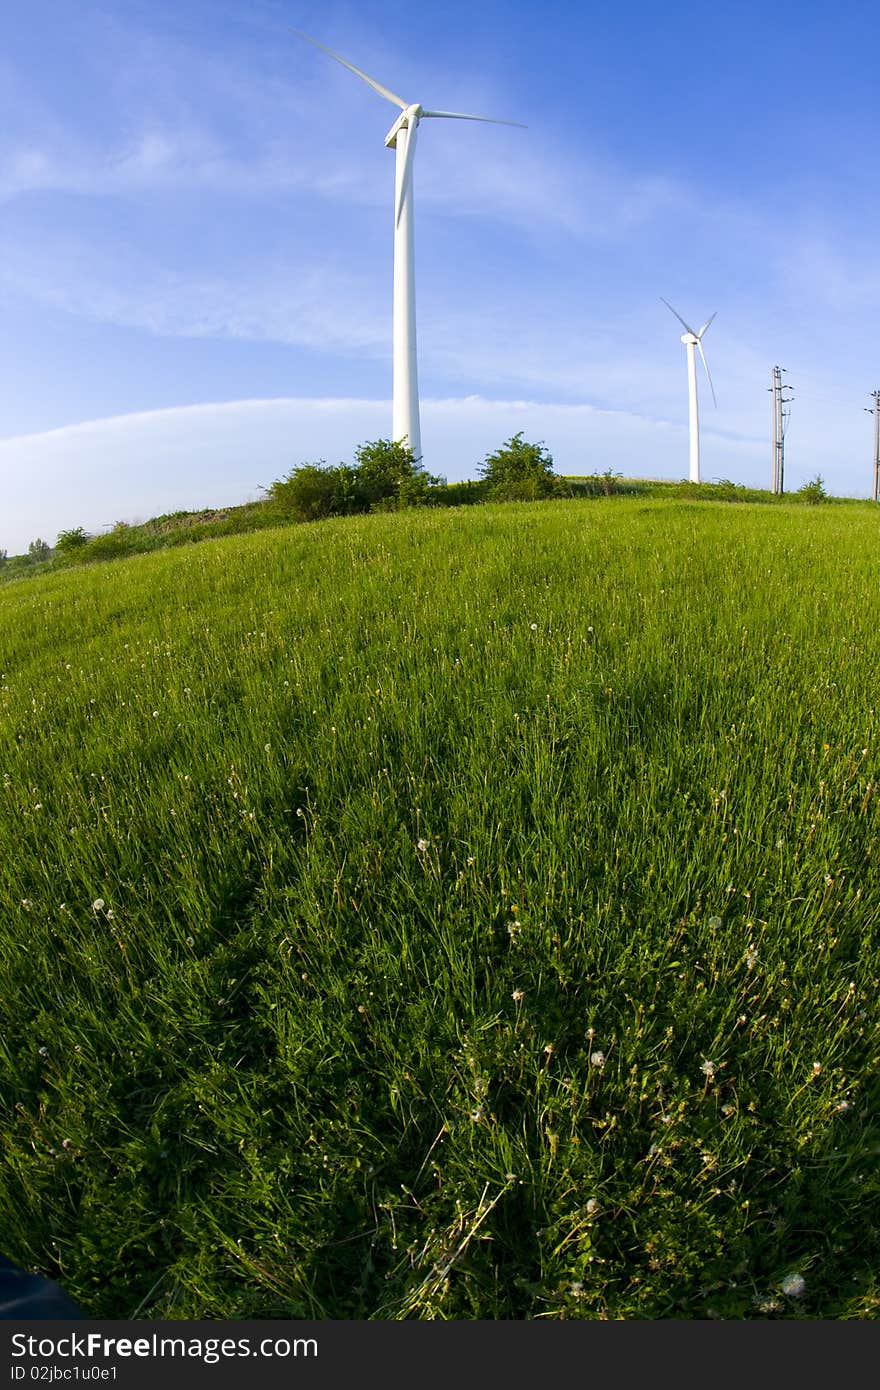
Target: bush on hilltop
x=521, y=472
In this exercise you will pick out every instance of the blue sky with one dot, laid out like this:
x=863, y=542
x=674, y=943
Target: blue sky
x=196, y=233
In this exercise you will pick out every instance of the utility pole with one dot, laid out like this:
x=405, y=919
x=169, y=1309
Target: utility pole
x=780, y=416
x=875, y=395
x=776, y=392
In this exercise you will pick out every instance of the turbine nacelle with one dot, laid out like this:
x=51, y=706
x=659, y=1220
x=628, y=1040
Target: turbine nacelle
x=691, y=338
x=408, y=118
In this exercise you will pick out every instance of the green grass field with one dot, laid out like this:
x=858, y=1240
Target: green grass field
x=458, y=914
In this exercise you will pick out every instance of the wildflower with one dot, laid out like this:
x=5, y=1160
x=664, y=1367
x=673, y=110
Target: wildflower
x=26, y=904
x=514, y=928
x=597, y=1059
x=97, y=904
x=767, y=1305
x=793, y=1285
x=422, y=846
x=707, y=1068
x=817, y=1067
x=751, y=957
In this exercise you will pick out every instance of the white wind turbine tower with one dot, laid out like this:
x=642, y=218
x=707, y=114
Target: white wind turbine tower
x=693, y=340
x=402, y=138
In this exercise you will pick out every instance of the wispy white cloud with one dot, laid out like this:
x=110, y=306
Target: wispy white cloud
x=218, y=454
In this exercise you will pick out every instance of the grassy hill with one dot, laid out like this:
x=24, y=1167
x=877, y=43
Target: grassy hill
x=450, y=914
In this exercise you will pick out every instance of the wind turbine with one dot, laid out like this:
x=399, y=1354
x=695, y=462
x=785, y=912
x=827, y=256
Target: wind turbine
x=402, y=139
x=691, y=341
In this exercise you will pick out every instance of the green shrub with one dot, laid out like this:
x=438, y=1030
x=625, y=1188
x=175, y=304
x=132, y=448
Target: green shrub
x=520, y=472
x=70, y=540
x=813, y=492
x=464, y=494
x=313, y=491
x=386, y=476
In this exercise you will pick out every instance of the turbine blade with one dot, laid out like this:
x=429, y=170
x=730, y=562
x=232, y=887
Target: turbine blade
x=407, y=169
x=679, y=317
x=370, y=81
x=706, y=324
x=461, y=116
x=708, y=373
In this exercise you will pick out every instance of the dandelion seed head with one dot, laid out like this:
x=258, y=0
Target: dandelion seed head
x=517, y=996
x=422, y=846
x=707, y=1067
x=715, y=923
x=793, y=1285
x=597, y=1059
x=97, y=904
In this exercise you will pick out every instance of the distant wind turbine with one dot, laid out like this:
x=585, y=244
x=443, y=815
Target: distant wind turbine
x=691, y=341
x=402, y=138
